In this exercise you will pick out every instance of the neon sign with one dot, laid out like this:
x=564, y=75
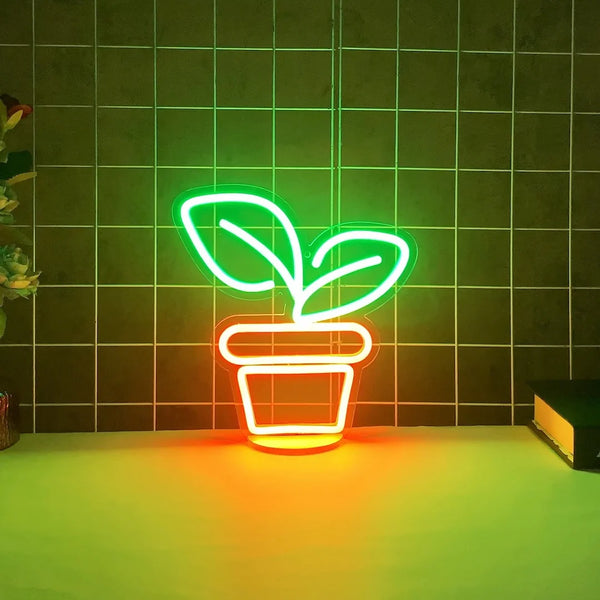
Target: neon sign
x=208, y=216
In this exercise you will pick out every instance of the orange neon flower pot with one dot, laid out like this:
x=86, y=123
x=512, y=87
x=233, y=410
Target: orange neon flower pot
x=295, y=384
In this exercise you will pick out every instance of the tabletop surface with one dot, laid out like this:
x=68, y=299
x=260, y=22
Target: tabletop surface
x=415, y=513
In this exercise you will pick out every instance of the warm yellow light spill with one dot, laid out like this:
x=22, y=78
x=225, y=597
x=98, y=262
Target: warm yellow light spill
x=295, y=444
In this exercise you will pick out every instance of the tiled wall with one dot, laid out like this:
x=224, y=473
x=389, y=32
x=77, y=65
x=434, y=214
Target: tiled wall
x=474, y=125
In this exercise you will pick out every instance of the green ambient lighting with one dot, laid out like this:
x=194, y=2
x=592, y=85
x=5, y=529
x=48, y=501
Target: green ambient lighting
x=293, y=275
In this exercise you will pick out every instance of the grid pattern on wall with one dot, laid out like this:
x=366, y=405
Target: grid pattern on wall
x=475, y=126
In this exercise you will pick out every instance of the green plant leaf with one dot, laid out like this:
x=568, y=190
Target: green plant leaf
x=21, y=177
x=372, y=250
x=230, y=235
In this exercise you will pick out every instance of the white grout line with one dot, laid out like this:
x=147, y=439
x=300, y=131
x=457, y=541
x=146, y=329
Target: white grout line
x=33, y=236
x=95, y=215
x=155, y=227
x=456, y=228
x=571, y=189
x=511, y=307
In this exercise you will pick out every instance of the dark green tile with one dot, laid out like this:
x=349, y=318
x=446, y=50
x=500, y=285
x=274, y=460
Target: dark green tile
x=125, y=374
x=245, y=23
x=484, y=141
x=17, y=377
x=64, y=419
x=369, y=23
x=415, y=415
x=125, y=136
x=541, y=317
x=586, y=142
x=523, y=414
x=425, y=374
x=16, y=72
x=19, y=326
x=367, y=195
x=303, y=24
x=65, y=196
x=585, y=323
x=484, y=375
x=125, y=76
x=125, y=196
x=368, y=139
x=184, y=315
x=293, y=70
x=426, y=198
x=541, y=200
x=427, y=80
x=303, y=139
x=483, y=316
x=585, y=200
x=171, y=183
x=57, y=144
x=586, y=85
x=538, y=363
x=373, y=415
x=541, y=141
x=486, y=25
x=483, y=199
x=430, y=24
x=483, y=257
x=425, y=315
x=426, y=139
x=184, y=77
x=542, y=82
x=60, y=22
x=541, y=258
x=76, y=309
x=175, y=266
x=185, y=137
x=184, y=374
x=244, y=78
x=125, y=315
x=485, y=81
x=55, y=379
x=484, y=415
x=128, y=23
x=64, y=75
x=543, y=25
x=586, y=363
x=184, y=23
x=368, y=79
x=125, y=418
x=377, y=379
x=435, y=263
x=125, y=256
x=66, y=255
x=183, y=417
x=308, y=193
x=16, y=24
x=587, y=13
x=244, y=138
x=225, y=417
x=585, y=248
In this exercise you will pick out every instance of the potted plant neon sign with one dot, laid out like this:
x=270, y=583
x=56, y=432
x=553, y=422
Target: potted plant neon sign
x=207, y=216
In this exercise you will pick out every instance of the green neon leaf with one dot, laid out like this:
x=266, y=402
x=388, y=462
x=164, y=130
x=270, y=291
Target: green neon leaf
x=375, y=247
x=231, y=236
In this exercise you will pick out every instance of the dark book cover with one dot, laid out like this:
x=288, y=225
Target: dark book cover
x=578, y=403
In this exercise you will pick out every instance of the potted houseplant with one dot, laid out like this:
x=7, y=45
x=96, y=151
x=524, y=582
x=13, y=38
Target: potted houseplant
x=244, y=238
x=17, y=280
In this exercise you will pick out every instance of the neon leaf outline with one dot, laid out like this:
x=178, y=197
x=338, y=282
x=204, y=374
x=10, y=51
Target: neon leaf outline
x=294, y=281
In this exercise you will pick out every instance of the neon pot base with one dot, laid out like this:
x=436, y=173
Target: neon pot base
x=295, y=444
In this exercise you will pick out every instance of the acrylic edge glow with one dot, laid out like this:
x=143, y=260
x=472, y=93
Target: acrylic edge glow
x=298, y=428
